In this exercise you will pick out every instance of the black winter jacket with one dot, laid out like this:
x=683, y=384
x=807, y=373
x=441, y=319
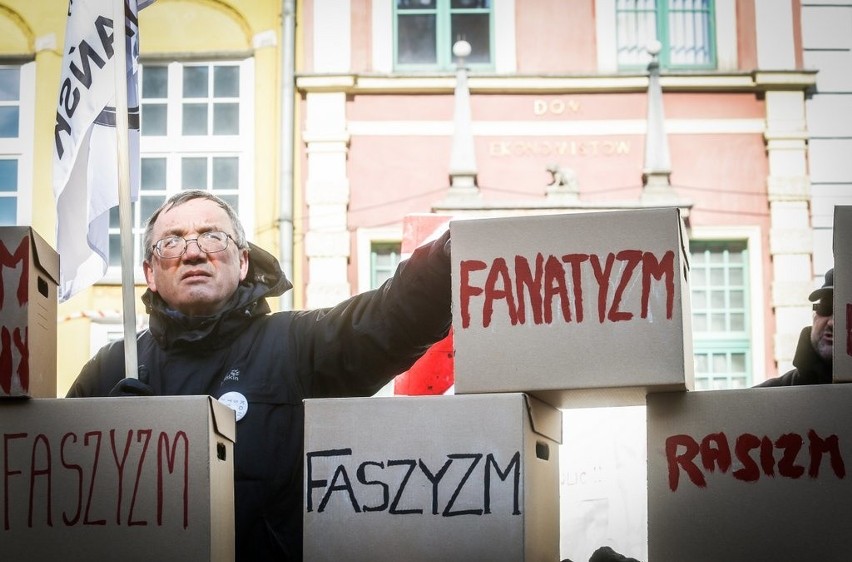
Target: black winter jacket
x=276, y=361
x=810, y=368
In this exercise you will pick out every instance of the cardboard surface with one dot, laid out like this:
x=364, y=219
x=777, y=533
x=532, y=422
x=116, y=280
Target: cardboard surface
x=842, y=348
x=433, y=478
x=29, y=273
x=577, y=309
x=117, y=479
x=745, y=475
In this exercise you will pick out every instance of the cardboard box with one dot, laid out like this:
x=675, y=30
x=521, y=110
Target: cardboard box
x=432, y=478
x=578, y=309
x=755, y=474
x=117, y=479
x=29, y=272
x=842, y=349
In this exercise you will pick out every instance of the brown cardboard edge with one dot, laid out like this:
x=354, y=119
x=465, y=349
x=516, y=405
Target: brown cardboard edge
x=224, y=419
x=687, y=341
x=45, y=256
x=841, y=212
x=544, y=418
x=684, y=242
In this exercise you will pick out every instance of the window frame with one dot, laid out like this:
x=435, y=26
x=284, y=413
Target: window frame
x=21, y=148
x=446, y=61
x=662, y=11
x=174, y=146
x=366, y=238
x=719, y=347
x=724, y=20
x=750, y=237
x=714, y=343
x=387, y=271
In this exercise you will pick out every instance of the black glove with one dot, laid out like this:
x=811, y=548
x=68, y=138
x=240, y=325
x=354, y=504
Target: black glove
x=607, y=554
x=133, y=387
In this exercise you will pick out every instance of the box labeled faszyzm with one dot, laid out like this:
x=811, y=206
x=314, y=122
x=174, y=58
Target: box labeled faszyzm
x=432, y=478
x=117, y=479
x=29, y=273
x=754, y=474
x=578, y=309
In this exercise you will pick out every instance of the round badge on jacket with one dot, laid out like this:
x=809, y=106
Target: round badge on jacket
x=237, y=402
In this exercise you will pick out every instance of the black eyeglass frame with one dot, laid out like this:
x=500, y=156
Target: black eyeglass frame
x=203, y=236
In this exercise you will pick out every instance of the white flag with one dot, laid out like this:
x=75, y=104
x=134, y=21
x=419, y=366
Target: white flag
x=85, y=167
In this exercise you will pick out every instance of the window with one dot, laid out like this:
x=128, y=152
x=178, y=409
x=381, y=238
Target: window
x=8, y=191
x=196, y=134
x=425, y=31
x=16, y=123
x=377, y=253
x=720, y=318
x=384, y=257
x=685, y=28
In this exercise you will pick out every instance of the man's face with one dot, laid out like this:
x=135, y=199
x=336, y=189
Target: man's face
x=196, y=283
x=822, y=333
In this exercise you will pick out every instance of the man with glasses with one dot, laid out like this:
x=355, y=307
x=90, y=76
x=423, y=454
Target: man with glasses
x=211, y=333
x=813, y=360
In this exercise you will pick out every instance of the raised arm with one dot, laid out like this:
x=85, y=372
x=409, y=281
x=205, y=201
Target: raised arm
x=358, y=346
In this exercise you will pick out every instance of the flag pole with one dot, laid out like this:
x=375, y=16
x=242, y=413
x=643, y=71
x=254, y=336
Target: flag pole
x=124, y=209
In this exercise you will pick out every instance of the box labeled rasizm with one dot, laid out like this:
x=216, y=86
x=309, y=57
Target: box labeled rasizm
x=842, y=348
x=574, y=308
x=754, y=474
x=117, y=479
x=449, y=478
x=29, y=274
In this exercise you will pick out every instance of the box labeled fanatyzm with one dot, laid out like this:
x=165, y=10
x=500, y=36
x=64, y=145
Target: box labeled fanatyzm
x=842, y=348
x=574, y=308
x=29, y=273
x=132, y=478
x=432, y=478
x=755, y=474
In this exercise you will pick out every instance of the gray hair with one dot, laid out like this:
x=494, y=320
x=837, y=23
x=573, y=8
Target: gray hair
x=184, y=197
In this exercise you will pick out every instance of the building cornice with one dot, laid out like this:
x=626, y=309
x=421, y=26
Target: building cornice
x=755, y=81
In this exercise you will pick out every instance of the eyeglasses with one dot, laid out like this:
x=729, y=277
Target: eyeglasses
x=208, y=242
x=825, y=307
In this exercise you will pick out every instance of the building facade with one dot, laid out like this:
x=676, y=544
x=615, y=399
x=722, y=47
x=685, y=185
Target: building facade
x=326, y=122
x=564, y=85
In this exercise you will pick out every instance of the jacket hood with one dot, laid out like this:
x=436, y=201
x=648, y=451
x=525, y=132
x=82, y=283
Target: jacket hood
x=265, y=271
x=265, y=278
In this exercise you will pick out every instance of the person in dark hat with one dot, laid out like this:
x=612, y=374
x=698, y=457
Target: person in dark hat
x=813, y=360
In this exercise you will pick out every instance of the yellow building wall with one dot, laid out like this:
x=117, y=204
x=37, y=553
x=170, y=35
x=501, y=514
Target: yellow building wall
x=176, y=29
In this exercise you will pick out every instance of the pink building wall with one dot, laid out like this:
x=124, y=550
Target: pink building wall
x=724, y=174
